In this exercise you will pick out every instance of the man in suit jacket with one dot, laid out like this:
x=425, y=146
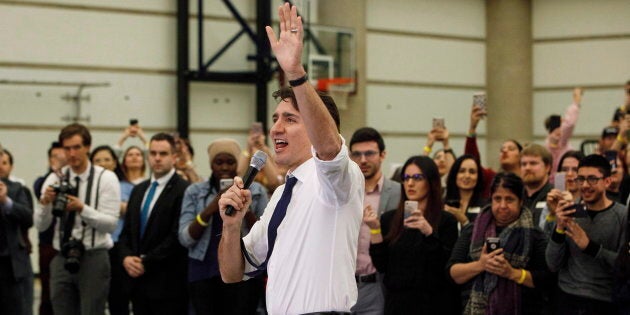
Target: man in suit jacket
x=367, y=149
x=15, y=265
x=153, y=258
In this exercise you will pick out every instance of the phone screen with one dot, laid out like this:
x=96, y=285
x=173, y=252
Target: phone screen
x=479, y=99
x=438, y=123
x=410, y=206
x=559, y=181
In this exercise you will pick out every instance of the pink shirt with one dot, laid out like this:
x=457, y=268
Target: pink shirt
x=364, y=261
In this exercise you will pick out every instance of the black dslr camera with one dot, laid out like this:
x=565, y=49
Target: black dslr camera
x=72, y=250
x=61, y=200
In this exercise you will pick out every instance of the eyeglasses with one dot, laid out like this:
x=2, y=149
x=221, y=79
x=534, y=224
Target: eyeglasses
x=414, y=177
x=358, y=154
x=592, y=180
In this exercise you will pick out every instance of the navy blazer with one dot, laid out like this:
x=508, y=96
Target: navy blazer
x=19, y=218
x=164, y=259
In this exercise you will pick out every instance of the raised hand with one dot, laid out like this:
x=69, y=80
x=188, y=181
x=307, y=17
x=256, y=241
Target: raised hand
x=370, y=218
x=288, y=46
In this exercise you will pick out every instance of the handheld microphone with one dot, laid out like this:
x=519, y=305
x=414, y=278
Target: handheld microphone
x=258, y=161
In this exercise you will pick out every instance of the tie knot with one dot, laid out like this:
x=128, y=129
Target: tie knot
x=291, y=181
x=77, y=180
x=154, y=184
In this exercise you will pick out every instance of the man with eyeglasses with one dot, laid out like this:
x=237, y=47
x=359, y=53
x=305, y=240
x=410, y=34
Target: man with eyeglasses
x=535, y=169
x=585, y=243
x=367, y=149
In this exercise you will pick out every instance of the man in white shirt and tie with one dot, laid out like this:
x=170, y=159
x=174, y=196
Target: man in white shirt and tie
x=306, y=239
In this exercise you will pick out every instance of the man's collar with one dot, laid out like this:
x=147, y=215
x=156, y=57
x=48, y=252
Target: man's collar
x=83, y=176
x=164, y=179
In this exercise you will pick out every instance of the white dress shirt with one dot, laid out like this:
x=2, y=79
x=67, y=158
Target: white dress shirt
x=101, y=219
x=312, y=265
x=158, y=190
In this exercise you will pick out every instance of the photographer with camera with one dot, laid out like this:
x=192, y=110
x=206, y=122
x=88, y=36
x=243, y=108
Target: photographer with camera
x=86, y=199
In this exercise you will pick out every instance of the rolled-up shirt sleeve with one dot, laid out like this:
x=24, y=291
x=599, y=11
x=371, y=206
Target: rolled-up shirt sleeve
x=336, y=178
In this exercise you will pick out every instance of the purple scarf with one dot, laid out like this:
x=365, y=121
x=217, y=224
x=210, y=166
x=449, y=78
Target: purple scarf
x=490, y=293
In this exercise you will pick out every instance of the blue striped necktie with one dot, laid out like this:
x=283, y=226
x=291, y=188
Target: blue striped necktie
x=144, y=215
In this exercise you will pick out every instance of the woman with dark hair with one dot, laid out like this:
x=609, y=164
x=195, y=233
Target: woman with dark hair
x=508, y=279
x=464, y=187
x=105, y=156
x=411, y=246
x=568, y=165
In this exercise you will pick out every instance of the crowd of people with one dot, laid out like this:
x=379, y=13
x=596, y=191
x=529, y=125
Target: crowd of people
x=321, y=230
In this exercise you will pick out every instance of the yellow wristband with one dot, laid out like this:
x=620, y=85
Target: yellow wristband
x=375, y=231
x=550, y=218
x=427, y=149
x=523, y=276
x=621, y=139
x=200, y=221
x=559, y=231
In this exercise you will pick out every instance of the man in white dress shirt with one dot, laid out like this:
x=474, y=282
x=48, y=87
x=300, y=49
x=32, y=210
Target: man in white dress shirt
x=316, y=214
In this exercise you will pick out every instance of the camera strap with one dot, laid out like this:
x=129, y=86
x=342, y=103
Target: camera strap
x=69, y=218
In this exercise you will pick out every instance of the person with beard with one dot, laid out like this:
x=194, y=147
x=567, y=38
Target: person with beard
x=561, y=129
x=583, y=248
x=367, y=149
x=509, y=155
x=200, y=227
x=535, y=169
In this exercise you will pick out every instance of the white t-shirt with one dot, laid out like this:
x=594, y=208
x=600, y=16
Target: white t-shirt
x=313, y=262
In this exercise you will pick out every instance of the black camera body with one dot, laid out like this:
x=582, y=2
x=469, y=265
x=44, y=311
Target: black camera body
x=61, y=200
x=73, y=250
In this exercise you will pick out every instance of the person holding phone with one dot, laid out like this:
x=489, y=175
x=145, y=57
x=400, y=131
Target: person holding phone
x=568, y=168
x=583, y=249
x=445, y=157
x=200, y=228
x=507, y=280
x=132, y=131
x=509, y=154
x=560, y=130
x=413, y=251
x=464, y=187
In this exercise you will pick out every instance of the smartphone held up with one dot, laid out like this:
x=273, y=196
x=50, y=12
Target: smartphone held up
x=410, y=206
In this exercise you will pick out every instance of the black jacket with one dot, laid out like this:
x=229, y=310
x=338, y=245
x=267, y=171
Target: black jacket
x=164, y=259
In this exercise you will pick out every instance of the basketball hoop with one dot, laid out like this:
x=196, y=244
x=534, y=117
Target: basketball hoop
x=340, y=93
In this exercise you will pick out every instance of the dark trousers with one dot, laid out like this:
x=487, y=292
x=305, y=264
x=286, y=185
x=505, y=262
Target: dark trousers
x=212, y=296
x=570, y=304
x=46, y=255
x=142, y=305
x=118, y=299
x=10, y=289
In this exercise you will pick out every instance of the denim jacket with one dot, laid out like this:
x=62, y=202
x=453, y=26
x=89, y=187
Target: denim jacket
x=196, y=198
